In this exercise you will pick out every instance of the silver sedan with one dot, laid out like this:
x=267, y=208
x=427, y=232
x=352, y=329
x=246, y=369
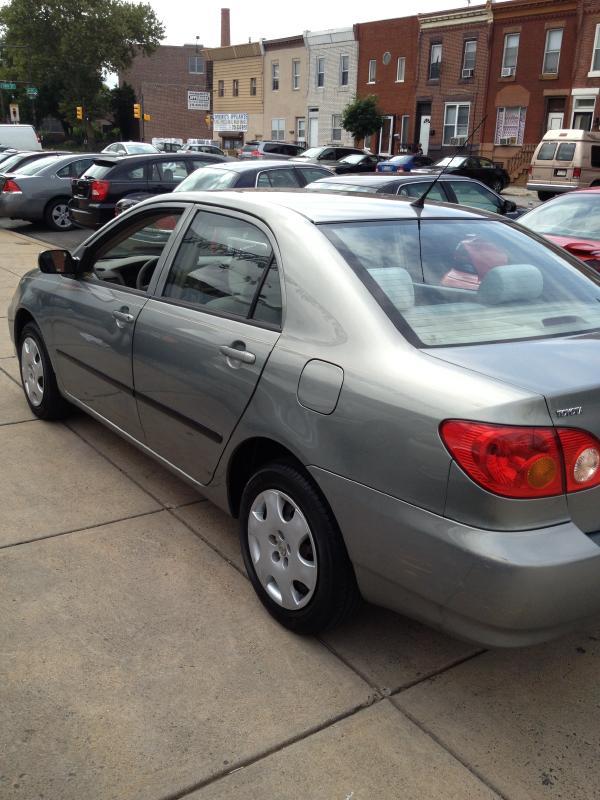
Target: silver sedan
x=396, y=402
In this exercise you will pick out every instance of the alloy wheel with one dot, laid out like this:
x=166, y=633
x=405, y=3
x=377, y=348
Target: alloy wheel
x=60, y=216
x=32, y=371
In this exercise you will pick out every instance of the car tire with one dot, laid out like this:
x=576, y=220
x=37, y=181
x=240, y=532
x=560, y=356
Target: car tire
x=56, y=215
x=293, y=551
x=37, y=376
x=497, y=186
x=543, y=196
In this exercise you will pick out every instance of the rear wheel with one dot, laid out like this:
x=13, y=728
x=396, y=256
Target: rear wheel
x=57, y=215
x=37, y=376
x=543, y=196
x=293, y=551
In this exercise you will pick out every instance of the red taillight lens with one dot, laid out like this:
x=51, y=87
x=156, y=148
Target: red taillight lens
x=99, y=190
x=577, y=172
x=510, y=461
x=524, y=462
x=11, y=186
x=255, y=153
x=529, y=170
x=581, y=452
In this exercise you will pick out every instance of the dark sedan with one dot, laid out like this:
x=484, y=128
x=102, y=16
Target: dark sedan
x=355, y=164
x=404, y=163
x=244, y=175
x=328, y=155
x=448, y=189
x=481, y=169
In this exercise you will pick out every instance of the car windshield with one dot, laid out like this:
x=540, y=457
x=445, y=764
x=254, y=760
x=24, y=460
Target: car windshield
x=464, y=282
x=140, y=148
x=329, y=186
x=454, y=161
x=207, y=178
x=574, y=215
x=312, y=152
x=354, y=158
x=35, y=166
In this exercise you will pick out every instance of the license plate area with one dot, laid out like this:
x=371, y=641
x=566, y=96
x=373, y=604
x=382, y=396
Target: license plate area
x=560, y=173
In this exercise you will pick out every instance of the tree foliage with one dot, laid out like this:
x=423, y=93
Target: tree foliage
x=362, y=116
x=66, y=48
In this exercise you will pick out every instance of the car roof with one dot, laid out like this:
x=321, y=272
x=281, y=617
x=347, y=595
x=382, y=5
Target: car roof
x=325, y=207
x=381, y=178
x=113, y=158
x=245, y=166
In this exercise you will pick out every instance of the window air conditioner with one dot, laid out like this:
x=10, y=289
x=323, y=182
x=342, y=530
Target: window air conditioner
x=467, y=73
x=508, y=140
x=507, y=72
x=458, y=140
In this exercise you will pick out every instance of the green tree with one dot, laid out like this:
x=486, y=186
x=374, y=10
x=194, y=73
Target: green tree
x=362, y=116
x=122, y=99
x=67, y=48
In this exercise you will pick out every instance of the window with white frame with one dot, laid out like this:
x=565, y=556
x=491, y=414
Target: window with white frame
x=344, y=70
x=277, y=130
x=400, y=69
x=196, y=65
x=510, y=54
x=456, y=123
x=435, y=61
x=583, y=113
x=336, y=128
x=595, y=68
x=469, y=58
x=275, y=75
x=296, y=73
x=510, y=125
x=301, y=129
x=552, y=51
x=372, y=70
x=320, y=71
x=404, y=134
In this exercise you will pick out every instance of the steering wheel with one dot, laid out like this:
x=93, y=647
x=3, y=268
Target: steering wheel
x=146, y=270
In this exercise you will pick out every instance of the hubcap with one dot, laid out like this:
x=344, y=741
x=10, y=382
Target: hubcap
x=32, y=371
x=60, y=215
x=282, y=549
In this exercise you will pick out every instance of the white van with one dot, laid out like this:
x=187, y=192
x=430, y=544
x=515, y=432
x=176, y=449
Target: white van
x=21, y=137
x=564, y=160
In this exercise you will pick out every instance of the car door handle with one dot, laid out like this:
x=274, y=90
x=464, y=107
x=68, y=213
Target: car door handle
x=238, y=355
x=123, y=316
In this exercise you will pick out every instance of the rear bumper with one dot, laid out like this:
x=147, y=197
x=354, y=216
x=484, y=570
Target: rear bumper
x=499, y=589
x=92, y=216
x=556, y=188
x=20, y=206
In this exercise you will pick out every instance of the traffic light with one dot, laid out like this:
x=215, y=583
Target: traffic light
x=147, y=117
x=137, y=111
x=79, y=112
x=207, y=120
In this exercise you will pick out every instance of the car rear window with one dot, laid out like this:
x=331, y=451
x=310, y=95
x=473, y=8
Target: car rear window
x=248, y=148
x=565, y=151
x=208, y=178
x=464, y=282
x=35, y=166
x=547, y=151
x=98, y=171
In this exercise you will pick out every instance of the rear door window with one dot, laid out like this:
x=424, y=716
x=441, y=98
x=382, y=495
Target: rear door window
x=417, y=189
x=134, y=173
x=310, y=174
x=282, y=178
x=546, y=152
x=565, y=151
x=474, y=195
x=169, y=172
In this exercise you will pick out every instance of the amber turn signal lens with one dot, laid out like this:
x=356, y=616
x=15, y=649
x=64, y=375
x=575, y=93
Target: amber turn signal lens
x=542, y=472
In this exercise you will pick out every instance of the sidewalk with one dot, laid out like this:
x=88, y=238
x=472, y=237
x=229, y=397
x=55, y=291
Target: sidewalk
x=138, y=664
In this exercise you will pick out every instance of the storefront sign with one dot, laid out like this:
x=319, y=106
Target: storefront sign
x=230, y=122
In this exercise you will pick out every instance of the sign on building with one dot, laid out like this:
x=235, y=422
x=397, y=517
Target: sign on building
x=14, y=112
x=198, y=101
x=230, y=122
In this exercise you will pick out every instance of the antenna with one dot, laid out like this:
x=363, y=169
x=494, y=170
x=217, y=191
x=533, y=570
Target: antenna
x=420, y=201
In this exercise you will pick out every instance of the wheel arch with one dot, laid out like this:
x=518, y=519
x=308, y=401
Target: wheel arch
x=22, y=317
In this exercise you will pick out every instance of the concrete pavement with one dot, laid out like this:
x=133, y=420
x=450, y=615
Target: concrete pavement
x=137, y=664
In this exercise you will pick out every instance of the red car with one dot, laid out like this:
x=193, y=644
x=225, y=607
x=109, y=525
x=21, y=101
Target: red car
x=572, y=221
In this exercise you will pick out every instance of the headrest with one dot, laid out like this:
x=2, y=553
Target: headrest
x=397, y=285
x=511, y=283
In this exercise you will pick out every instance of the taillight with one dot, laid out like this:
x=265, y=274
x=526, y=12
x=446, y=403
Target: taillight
x=255, y=153
x=530, y=170
x=11, y=186
x=524, y=462
x=577, y=172
x=99, y=190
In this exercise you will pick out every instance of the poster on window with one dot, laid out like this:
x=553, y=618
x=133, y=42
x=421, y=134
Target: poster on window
x=230, y=122
x=198, y=101
x=510, y=125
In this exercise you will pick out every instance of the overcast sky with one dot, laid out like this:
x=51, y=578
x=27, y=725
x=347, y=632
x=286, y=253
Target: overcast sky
x=184, y=21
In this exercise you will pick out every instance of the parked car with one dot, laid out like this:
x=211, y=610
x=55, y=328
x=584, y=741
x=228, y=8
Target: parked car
x=269, y=150
x=242, y=175
x=41, y=189
x=404, y=163
x=201, y=148
x=448, y=189
x=130, y=148
x=96, y=192
x=482, y=169
x=329, y=155
x=355, y=164
x=297, y=357
x=571, y=221
x=565, y=160
x=14, y=161
x=21, y=137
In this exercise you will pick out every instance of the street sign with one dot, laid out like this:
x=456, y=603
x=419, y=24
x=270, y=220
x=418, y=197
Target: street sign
x=14, y=112
x=31, y=91
x=7, y=85
x=198, y=101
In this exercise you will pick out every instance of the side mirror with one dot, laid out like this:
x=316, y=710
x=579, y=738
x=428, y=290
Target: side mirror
x=58, y=262
x=509, y=206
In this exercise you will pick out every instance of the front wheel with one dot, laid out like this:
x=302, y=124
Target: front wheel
x=57, y=215
x=37, y=376
x=294, y=553
x=543, y=196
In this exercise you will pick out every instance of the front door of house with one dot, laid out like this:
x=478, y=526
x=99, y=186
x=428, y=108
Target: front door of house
x=386, y=136
x=555, y=121
x=313, y=127
x=424, y=134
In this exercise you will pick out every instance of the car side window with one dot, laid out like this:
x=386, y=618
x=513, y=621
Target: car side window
x=417, y=189
x=130, y=256
x=311, y=174
x=133, y=173
x=471, y=163
x=66, y=171
x=485, y=162
x=474, y=195
x=221, y=266
x=169, y=172
x=328, y=154
x=282, y=178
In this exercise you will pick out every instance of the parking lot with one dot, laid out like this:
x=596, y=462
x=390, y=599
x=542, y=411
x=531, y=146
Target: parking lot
x=138, y=664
